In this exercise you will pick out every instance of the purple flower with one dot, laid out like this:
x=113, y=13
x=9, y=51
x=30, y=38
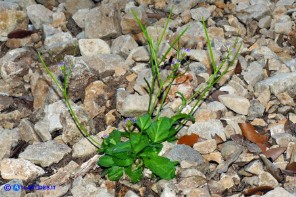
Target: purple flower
x=129, y=119
x=175, y=62
x=61, y=64
x=185, y=50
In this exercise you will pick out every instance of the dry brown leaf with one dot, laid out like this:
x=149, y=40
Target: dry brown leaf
x=238, y=68
x=189, y=140
x=249, y=132
x=256, y=190
x=274, y=153
x=291, y=167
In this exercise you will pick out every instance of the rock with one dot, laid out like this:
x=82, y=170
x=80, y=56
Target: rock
x=199, y=192
x=9, y=5
x=255, y=11
x=205, y=147
x=102, y=22
x=93, y=93
x=10, y=20
x=40, y=88
x=215, y=187
x=62, y=176
x=207, y=129
x=255, y=167
x=234, y=22
x=85, y=187
x=26, y=131
x=285, y=99
x=132, y=105
x=128, y=22
x=192, y=38
x=278, y=83
x=51, y=121
x=283, y=27
x=19, y=42
x=130, y=193
x=39, y=15
x=73, y=6
x=45, y=153
x=238, y=104
x=140, y=54
x=189, y=183
x=81, y=76
x=226, y=181
x=61, y=179
x=104, y=64
x=123, y=45
x=256, y=109
x=48, y=3
x=254, y=73
x=214, y=156
x=199, y=13
x=8, y=140
x=5, y=190
x=60, y=43
x=79, y=17
x=182, y=152
x=71, y=134
x=197, y=68
x=292, y=63
x=91, y=47
x=58, y=19
x=278, y=191
x=265, y=22
x=285, y=2
x=20, y=169
x=83, y=148
x=203, y=57
x=267, y=179
x=180, y=7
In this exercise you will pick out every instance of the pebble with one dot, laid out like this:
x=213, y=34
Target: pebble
x=102, y=22
x=278, y=83
x=91, y=47
x=278, y=191
x=186, y=153
x=205, y=147
x=20, y=169
x=45, y=153
x=236, y=103
x=208, y=129
x=255, y=167
x=199, y=13
x=8, y=139
x=39, y=15
x=123, y=45
x=267, y=179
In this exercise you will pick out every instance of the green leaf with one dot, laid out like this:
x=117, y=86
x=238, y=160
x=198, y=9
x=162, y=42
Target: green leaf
x=144, y=122
x=115, y=173
x=121, y=150
x=113, y=138
x=152, y=149
x=106, y=161
x=138, y=142
x=134, y=173
x=123, y=162
x=159, y=130
x=160, y=166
